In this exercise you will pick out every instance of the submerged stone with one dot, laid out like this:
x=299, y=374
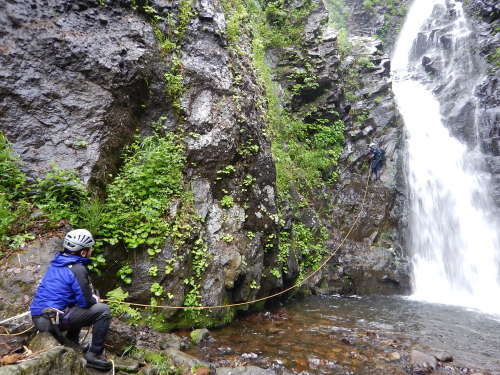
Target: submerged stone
x=444, y=357
x=244, y=370
x=421, y=360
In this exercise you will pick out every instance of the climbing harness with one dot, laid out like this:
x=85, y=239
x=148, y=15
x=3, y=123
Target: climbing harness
x=296, y=285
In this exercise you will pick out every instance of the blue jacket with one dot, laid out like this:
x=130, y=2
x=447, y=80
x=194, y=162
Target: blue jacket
x=377, y=153
x=66, y=283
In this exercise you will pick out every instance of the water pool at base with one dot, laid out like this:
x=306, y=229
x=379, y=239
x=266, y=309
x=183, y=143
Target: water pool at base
x=369, y=335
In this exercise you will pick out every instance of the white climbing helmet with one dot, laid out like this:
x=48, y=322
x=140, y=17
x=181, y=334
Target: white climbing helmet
x=77, y=240
x=372, y=145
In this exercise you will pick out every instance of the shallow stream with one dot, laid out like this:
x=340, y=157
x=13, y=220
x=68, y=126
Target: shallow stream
x=361, y=336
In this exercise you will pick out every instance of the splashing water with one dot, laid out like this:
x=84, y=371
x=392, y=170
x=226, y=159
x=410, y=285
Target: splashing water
x=454, y=240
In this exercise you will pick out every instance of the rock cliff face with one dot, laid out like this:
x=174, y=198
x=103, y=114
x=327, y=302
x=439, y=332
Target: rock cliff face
x=372, y=259
x=485, y=19
x=382, y=20
x=74, y=80
x=80, y=78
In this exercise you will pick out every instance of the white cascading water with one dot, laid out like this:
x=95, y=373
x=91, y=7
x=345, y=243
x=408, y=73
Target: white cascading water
x=454, y=242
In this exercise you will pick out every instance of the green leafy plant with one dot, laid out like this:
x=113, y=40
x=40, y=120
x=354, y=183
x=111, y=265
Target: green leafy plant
x=157, y=289
x=248, y=149
x=19, y=240
x=139, y=196
x=153, y=271
x=124, y=274
x=494, y=58
x=169, y=266
x=160, y=364
x=275, y=272
x=228, y=238
x=81, y=144
x=174, y=86
x=227, y=201
x=60, y=193
x=248, y=180
x=200, y=257
x=121, y=310
x=90, y=215
x=12, y=180
x=226, y=171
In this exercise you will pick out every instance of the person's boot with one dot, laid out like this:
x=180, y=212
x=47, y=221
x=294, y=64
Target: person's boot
x=97, y=361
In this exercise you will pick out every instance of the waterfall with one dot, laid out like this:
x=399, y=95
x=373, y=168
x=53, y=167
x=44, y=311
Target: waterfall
x=454, y=242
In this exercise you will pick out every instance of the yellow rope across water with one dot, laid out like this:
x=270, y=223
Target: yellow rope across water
x=296, y=285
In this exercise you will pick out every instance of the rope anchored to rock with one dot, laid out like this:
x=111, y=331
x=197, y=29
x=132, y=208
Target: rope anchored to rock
x=286, y=290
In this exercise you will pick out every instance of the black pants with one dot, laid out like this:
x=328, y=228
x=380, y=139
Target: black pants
x=377, y=166
x=75, y=318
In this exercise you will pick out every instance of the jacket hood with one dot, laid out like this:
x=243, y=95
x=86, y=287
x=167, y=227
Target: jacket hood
x=62, y=260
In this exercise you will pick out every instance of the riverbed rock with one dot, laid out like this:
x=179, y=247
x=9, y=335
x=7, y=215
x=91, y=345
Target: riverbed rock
x=122, y=336
x=198, y=335
x=43, y=341
x=422, y=361
x=443, y=357
x=184, y=360
x=126, y=365
x=394, y=356
x=244, y=370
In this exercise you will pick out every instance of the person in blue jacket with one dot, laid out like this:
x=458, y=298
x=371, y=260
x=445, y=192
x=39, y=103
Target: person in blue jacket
x=65, y=300
x=377, y=158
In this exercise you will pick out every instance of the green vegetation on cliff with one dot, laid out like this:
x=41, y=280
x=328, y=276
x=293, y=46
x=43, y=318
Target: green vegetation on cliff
x=306, y=148
x=392, y=12
x=305, y=152
x=494, y=58
x=140, y=194
x=12, y=192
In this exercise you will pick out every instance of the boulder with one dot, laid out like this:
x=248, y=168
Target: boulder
x=21, y=274
x=122, y=336
x=394, y=356
x=58, y=360
x=127, y=365
x=181, y=359
x=42, y=342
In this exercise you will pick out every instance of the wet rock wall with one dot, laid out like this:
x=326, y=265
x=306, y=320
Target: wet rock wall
x=372, y=260
x=484, y=16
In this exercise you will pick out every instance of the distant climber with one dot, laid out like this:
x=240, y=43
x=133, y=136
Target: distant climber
x=65, y=300
x=377, y=158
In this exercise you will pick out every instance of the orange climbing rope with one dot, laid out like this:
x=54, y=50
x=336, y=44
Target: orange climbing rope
x=296, y=285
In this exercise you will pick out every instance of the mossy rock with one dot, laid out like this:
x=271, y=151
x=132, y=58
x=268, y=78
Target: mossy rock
x=198, y=335
x=192, y=319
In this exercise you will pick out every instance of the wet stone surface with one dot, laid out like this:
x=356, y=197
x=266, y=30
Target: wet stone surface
x=325, y=335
